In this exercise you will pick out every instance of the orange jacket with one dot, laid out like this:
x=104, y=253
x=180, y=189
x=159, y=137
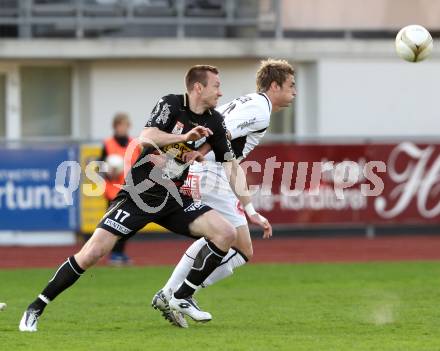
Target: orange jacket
x=112, y=147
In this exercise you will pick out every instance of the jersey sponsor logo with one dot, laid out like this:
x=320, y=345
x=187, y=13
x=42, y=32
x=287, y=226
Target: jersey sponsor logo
x=191, y=187
x=176, y=150
x=178, y=128
x=196, y=205
x=115, y=225
x=248, y=123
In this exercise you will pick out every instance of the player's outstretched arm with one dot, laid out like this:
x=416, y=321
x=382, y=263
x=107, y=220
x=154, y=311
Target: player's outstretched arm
x=151, y=136
x=196, y=155
x=204, y=149
x=198, y=133
x=237, y=181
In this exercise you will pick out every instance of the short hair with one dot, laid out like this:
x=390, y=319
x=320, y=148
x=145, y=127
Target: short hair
x=272, y=70
x=119, y=118
x=198, y=73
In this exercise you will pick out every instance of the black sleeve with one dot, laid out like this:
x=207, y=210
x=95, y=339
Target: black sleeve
x=103, y=156
x=164, y=112
x=219, y=141
x=103, y=153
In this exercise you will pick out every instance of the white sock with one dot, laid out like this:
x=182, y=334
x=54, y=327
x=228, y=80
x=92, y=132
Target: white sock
x=183, y=267
x=231, y=261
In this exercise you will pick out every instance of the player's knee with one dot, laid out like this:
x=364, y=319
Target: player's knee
x=225, y=235
x=249, y=253
x=91, y=255
x=229, y=234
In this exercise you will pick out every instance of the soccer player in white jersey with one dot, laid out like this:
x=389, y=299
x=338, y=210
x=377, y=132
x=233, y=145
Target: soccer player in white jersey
x=247, y=119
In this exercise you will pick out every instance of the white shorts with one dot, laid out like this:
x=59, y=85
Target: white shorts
x=207, y=182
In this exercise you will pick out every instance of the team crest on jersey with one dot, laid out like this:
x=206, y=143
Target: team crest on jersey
x=178, y=128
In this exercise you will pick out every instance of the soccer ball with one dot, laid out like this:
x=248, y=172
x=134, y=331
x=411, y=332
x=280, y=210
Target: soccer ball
x=413, y=43
x=115, y=164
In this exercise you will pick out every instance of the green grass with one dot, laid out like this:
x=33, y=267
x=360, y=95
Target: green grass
x=380, y=306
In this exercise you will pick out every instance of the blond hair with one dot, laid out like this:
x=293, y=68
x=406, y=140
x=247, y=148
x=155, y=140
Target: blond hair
x=272, y=70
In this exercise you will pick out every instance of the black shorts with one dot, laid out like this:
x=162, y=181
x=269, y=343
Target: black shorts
x=124, y=217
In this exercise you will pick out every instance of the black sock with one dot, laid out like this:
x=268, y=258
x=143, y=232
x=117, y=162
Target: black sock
x=64, y=277
x=207, y=260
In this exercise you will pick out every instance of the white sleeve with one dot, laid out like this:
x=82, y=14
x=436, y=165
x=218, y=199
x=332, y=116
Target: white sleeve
x=251, y=120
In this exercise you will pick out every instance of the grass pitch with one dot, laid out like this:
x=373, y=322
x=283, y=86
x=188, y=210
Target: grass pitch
x=375, y=306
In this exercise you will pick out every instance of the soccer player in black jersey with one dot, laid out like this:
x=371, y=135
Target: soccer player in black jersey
x=247, y=119
x=178, y=124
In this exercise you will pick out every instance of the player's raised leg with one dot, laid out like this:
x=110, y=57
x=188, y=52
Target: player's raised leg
x=240, y=253
x=99, y=245
x=161, y=299
x=220, y=234
x=182, y=268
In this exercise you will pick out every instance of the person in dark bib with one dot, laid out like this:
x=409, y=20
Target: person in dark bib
x=113, y=153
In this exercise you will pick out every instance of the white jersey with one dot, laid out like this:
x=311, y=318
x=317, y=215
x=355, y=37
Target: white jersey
x=247, y=119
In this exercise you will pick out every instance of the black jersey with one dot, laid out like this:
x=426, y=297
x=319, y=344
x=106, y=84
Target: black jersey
x=172, y=115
